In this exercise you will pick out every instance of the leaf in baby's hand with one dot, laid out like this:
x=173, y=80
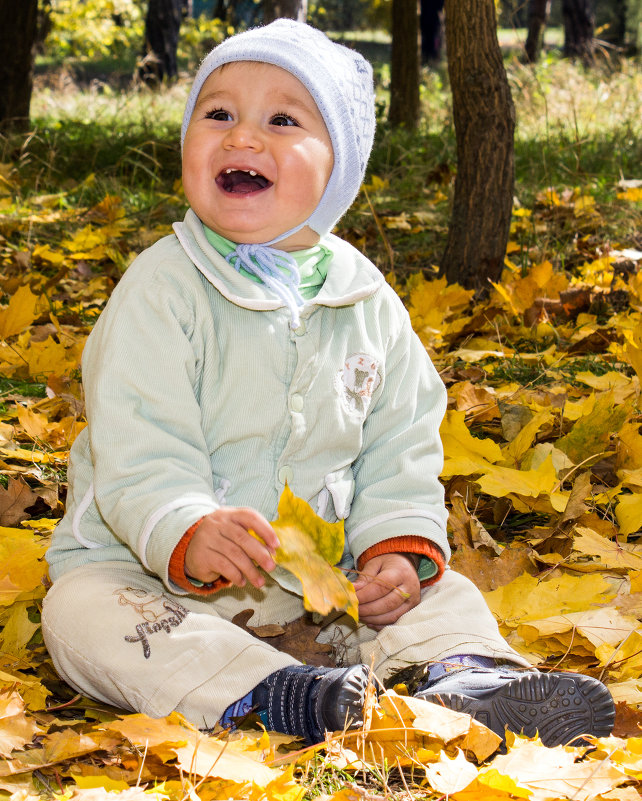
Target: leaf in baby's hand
x=309, y=547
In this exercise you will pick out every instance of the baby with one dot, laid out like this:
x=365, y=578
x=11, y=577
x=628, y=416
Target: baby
x=251, y=350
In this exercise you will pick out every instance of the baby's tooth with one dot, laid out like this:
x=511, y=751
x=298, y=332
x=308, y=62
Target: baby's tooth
x=252, y=172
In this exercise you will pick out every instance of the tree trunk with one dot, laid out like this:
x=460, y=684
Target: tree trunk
x=404, y=66
x=538, y=11
x=432, y=30
x=162, y=26
x=18, y=25
x=579, y=25
x=484, y=117
x=292, y=9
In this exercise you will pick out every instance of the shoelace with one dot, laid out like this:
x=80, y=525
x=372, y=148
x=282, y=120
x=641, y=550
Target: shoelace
x=268, y=264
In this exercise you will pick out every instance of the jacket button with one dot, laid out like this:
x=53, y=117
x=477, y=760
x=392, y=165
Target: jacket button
x=286, y=474
x=296, y=403
x=300, y=330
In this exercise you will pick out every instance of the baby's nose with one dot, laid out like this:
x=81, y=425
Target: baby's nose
x=244, y=134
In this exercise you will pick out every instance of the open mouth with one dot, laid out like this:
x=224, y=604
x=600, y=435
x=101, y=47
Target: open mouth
x=242, y=182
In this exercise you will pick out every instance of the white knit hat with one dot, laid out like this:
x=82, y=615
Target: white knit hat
x=340, y=82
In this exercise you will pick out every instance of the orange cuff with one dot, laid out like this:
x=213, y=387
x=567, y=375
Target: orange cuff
x=407, y=544
x=177, y=568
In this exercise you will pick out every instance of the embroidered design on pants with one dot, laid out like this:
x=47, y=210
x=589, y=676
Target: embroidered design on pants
x=170, y=615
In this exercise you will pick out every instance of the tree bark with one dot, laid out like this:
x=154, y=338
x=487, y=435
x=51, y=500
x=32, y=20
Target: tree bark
x=538, y=11
x=404, y=65
x=18, y=26
x=292, y=9
x=484, y=117
x=162, y=27
x=579, y=28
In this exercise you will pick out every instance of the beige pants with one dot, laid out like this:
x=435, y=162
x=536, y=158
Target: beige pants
x=116, y=634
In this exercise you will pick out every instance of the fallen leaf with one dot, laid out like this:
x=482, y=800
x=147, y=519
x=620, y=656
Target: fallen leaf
x=19, y=314
x=628, y=720
x=554, y=773
x=297, y=638
x=448, y=775
x=16, y=730
x=309, y=547
x=14, y=500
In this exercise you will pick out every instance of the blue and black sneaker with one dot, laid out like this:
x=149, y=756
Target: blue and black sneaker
x=560, y=707
x=306, y=701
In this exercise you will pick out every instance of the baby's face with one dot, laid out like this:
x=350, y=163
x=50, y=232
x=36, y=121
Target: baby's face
x=257, y=155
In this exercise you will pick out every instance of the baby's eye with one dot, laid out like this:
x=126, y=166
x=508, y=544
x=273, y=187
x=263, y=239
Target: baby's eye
x=218, y=114
x=283, y=119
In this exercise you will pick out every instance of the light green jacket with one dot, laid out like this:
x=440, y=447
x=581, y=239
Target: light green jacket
x=199, y=394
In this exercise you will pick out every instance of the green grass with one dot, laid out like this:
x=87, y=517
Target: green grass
x=16, y=386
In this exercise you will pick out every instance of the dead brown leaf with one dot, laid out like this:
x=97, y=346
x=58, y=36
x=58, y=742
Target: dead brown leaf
x=628, y=721
x=491, y=572
x=297, y=638
x=14, y=500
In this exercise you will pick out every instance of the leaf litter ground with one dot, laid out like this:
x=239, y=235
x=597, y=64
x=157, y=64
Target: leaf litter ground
x=543, y=478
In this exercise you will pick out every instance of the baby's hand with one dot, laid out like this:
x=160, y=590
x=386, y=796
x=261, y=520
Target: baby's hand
x=223, y=546
x=387, y=587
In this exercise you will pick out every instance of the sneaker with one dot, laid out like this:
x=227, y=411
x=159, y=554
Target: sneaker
x=560, y=707
x=306, y=701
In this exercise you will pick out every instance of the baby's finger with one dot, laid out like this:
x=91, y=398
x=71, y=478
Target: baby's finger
x=382, y=605
x=378, y=619
x=255, y=522
x=239, y=568
x=253, y=548
x=371, y=591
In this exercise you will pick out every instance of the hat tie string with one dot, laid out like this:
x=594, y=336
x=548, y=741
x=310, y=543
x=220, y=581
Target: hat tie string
x=277, y=269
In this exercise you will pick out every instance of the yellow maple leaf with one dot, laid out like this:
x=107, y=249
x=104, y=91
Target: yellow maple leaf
x=463, y=453
x=403, y=726
x=580, y=633
x=629, y=513
x=45, y=358
x=523, y=440
x=19, y=314
x=500, y=481
x=104, y=781
x=58, y=434
x=68, y=744
x=223, y=759
x=45, y=253
x=309, y=547
x=552, y=773
x=21, y=565
x=591, y=434
x=629, y=447
x=624, y=661
x=528, y=598
x=448, y=775
x=491, y=785
x=18, y=629
x=160, y=735
x=16, y=730
x=611, y=554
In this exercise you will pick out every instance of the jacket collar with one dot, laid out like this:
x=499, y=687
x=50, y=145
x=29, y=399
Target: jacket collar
x=351, y=277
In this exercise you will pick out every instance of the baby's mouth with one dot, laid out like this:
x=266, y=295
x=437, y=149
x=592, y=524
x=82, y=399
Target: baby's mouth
x=242, y=181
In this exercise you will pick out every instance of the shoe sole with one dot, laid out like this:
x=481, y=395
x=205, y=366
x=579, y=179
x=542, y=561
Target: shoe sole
x=558, y=708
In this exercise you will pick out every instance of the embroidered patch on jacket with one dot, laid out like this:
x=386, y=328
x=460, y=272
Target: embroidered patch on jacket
x=356, y=382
